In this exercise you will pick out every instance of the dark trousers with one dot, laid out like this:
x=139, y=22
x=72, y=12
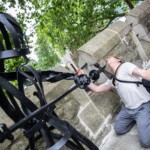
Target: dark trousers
x=128, y=117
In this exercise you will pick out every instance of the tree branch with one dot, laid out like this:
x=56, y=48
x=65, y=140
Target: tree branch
x=129, y=3
x=110, y=21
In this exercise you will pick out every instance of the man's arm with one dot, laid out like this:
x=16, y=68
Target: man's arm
x=98, y=89
x=144, y=74
x=95, y=88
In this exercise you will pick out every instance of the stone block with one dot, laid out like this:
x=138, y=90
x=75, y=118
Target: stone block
x=139, y=47
x=78, y=95
x=140, y=30
x=149, y=34
x=58, y=88
x=6, y=120
x=98, y=47
x=142, y=53
x=145, y=38
x=126, y=49
x=20, y=144
x=147, y=1
x=121, y=28
x=148, y=26
x=146, y=23
x=91, y=117
x=85, y=58
x=106, y=102
x=146, y=46
x=139, y=13
x=144, y=5
x=135, y=16
x=129, y=142
x=81, y=97
x=147, y=10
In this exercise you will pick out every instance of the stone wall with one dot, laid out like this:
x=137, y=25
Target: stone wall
x=91, y=113
x=130, y=41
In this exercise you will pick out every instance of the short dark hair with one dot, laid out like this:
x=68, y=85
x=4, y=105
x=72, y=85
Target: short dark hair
x=114, y=57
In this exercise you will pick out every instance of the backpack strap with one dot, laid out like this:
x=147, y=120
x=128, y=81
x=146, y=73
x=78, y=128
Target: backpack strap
x=114, y=79
x=123, y=81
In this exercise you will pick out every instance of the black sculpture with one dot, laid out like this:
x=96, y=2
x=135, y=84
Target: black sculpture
x=36, y=122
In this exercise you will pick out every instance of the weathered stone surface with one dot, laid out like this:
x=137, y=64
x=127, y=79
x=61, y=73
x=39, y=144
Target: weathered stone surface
x=140, y=30
x=81, y=96
x=139, y=19
x=139, y=47
x=98, y=47
x=122, y=28
x=146, y=46
x=84, y=58
x=126, y=50
x=20, y=143
x=144, y=5
x=135, y=16
x=146, y=23
x=6, y=120
x=137, y=12
x=68, y=107
x=128, y=141
x=91, y=117
x=106, y=130
x=106, y=103
x=146, y=38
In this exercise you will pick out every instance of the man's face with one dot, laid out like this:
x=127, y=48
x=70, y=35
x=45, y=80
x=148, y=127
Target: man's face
x=111, y=60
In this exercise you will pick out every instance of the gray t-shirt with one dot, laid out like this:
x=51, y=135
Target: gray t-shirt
x=131, y=94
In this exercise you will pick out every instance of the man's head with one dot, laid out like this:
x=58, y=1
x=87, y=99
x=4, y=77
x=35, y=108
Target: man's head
x=112, y=59
x=112, y=62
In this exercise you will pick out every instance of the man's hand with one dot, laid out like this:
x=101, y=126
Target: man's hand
x=82, y=81
x=79, y=72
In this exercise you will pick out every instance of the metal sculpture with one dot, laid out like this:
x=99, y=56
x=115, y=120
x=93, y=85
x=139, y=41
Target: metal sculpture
x=36, y=122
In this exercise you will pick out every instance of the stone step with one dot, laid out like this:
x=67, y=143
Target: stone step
x=127, y=141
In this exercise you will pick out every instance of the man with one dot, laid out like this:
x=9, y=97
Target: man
x=136, y=99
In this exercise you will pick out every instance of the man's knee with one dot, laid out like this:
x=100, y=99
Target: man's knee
x=119, y=130
x=145, y=142
x=124, y=126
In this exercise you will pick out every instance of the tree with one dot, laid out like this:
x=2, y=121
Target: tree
x=67, y=24
x=47, y=56
x=131, y=3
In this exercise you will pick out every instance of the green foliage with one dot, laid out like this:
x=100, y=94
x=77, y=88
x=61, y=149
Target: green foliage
x=12, y=64
x=65, y=24
x=69, y=24
x=47, y=56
